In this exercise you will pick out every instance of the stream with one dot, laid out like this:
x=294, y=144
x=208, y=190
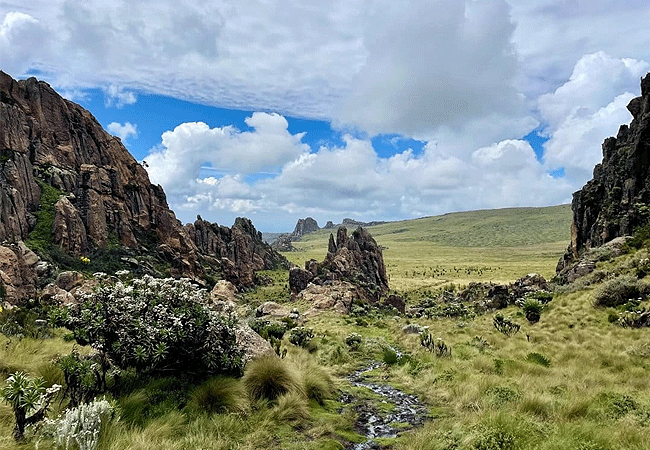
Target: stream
x=372, y=424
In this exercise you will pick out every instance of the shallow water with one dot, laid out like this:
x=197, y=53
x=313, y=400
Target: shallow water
x=408, y=410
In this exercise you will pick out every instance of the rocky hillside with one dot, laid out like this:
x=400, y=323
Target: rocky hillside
x=615, y=202
x=69, y=188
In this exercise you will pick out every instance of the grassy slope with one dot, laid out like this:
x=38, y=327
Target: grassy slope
x=486, y=396
x=491, y=245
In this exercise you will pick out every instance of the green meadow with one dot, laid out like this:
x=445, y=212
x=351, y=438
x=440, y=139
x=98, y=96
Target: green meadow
x=572, y=380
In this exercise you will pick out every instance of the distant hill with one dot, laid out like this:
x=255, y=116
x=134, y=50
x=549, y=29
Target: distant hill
x=489, y=245
x=508, y=227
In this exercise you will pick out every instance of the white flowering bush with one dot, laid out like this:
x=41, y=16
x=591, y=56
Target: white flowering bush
x=163, y=326
x=81, y=425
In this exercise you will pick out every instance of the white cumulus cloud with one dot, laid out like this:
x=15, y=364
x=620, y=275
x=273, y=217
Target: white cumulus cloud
x=586, y=109
x=123, y=131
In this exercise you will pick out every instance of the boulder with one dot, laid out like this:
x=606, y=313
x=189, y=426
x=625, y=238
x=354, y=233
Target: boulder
x=54, y=295
x=69, y=280
x=252, y=344
x=335, y=296
x=224, y=291
x=272, y=309
x=412, y=328
x=530, y=283
x=396, y=301
x=299, y=279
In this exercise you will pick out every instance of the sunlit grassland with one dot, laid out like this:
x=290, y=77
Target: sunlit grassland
x=492, y=245
x=489, y=394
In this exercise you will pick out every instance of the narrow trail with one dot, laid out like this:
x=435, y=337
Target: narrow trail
x=373, y=424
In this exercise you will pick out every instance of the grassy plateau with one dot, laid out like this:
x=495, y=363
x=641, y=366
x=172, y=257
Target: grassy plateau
x=572, y=380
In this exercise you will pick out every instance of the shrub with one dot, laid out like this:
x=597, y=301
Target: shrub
x=82, y=425
x=543, y=296
x=217, y=395
x=268, y=377
x=532, y=309
x=435, y=346
x=83, y=375
x=267, y=329
x=25, y=395
x=156, y=326
x=389, y=356
x=301, y=336
x=619, y=291
x=353, y=341
x=505, y=326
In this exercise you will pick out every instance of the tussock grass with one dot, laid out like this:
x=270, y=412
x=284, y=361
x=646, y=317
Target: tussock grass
x=218, y=395
x=269, y=377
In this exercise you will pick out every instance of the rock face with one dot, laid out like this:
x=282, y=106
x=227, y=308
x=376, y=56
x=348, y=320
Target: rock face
x=304, y=226
x=53, y=150
x=239, y=250
x=355, y=259
x=616, y=201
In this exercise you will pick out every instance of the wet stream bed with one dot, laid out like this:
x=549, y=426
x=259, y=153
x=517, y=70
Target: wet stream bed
x=398, y=411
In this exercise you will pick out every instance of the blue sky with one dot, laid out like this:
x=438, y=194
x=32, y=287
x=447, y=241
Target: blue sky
x=371, y=109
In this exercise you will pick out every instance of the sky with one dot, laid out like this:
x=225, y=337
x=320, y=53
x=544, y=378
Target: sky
x=364, y=109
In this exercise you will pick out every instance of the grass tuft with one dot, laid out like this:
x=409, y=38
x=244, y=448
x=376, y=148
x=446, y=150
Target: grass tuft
x=269, y=377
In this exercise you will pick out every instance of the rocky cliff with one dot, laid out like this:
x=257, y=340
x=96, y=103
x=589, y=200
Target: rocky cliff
x=304, y=226
x=68, y=186
x=616, y=201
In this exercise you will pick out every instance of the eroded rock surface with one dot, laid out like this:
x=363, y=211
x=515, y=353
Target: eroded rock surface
x=616, y=201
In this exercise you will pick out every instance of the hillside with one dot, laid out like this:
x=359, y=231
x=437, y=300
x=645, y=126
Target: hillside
x=488, y=245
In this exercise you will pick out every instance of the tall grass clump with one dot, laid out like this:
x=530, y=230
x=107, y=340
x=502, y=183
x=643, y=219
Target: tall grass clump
x=269, y=377
x=618, y=291
x=218, y=395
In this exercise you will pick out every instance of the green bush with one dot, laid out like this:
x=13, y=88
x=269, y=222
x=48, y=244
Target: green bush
x=532, y=309
x=505, y=326
x=619, y=291
x=268, y=330
x=156, y=326
x=268, y=377
x=389, y=356
x=301, y=336
x=218, y=395
x=85, y=377
x=25, y=394
x=353, y=341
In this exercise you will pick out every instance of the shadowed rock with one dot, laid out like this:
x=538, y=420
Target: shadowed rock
x=616, y=201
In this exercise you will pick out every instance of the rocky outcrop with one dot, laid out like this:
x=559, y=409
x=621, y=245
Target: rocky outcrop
x=304, y=226
x=18, y=272
x=283, y=244
x=63, y=175
x=239, y=250
x=617, y=200
x=347, y=222
x=355, y=259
